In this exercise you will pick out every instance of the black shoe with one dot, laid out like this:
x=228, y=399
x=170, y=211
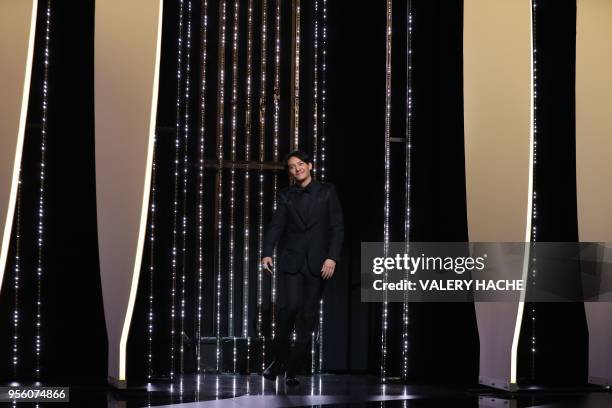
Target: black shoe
x=290, y=379
x=273, y=370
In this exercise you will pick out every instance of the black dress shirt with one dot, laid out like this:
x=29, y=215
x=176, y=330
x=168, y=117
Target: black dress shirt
x=303, y=201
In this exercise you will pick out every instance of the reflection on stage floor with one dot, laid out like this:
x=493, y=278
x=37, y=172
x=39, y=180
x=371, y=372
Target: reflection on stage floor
x=328, y=390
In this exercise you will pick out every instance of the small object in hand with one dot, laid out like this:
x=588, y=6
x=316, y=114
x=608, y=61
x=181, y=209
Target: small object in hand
x=291, y=379
x=273, y=370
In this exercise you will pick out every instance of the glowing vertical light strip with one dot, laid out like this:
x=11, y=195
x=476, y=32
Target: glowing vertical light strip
x=219, y=188
x=41, y=191
x=383, y=342
x=152, y=210
x=531, y=198
x=231, y=289
x=145, y=205
x=323, y=90
x=312, y=353
x=320, y=366
x=275, y=153
x=17, y=272
x=186, y=131
x=200, y=226
x=322, y=175
x=247, y=174
x=177, y=142
x=315, y=140
x=408, y=180
x=262, y=145
x=315, y=88
x=296, y=75
x=534, y=197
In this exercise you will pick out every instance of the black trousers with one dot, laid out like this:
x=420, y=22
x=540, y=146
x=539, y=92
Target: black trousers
x=298, y=301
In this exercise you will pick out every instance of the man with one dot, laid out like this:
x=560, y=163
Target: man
x=308, y=226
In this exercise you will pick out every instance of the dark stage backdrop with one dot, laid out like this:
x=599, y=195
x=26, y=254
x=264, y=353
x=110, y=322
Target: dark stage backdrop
x=73, y=332
x=560, y=329
x=443, y=338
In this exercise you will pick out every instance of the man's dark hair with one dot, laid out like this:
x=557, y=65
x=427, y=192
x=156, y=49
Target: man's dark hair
x=303, y=156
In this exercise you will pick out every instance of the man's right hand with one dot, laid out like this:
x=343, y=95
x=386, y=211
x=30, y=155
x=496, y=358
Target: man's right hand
x=266, y=262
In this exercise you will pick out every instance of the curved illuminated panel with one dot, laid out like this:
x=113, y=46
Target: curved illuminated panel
x=498, y=133
x=17, y=30
x=127, y=52
x=594, y=161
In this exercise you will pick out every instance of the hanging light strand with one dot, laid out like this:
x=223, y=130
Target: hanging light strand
x=296, y=74
x=219, y=187
x=262, y=144
x=408, y=180
x=322, y=166
x=315, y=143
x=383, y=342
x=275, y=152
x=41, y=192
x=16, y=277
x=152, y=211
x=322, y=129
x=315, y=90
x=247, y=175
x=262, y=151
x=534, y=207
x=177, y=142
x=234, y=119
x=201, y=145
x=185, y=171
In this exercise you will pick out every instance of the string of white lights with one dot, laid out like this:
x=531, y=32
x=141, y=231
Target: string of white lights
x=247, y=175
x=323, y=90
x=383, y=342
x=234, y=107
x=322, y=175
x=233, y=178
x=534, y=195
x=321, y=308
x=219, y=188
x=152, y=210
x=16, y=276
x=41, y=191
x=200, y=226
x=408, y=180
x=186, y=131
x=315, y=138
x=177, y=142
x=262, y=140
x=275, y=151
x=296, y=77
x=312, y=354
x=315, y=89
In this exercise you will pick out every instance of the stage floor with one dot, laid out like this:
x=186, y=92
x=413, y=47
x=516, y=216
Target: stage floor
x=330, y=390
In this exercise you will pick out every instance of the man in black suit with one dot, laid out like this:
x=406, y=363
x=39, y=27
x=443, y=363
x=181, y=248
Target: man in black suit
x=308, y=226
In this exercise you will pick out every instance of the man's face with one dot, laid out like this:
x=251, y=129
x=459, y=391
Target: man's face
x=298, y=169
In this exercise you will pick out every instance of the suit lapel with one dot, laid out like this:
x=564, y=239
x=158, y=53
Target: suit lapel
x=296, y=213
x=314, y=202
x=311, y=212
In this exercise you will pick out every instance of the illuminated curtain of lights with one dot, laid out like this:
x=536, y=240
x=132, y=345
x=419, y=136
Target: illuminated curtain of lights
x=388, y=216
x=205, y=303
x=387, y=141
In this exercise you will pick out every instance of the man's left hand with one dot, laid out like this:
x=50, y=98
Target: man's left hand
x=327, y=270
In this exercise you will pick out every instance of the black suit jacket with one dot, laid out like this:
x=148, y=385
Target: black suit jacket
x=316, y=239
